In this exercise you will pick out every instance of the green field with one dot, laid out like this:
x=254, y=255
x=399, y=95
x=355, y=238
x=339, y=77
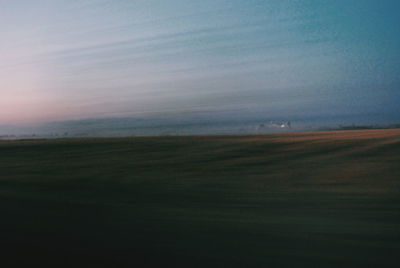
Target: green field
x=322, y=199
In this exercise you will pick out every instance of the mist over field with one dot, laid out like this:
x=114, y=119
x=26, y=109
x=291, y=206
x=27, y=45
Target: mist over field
x=191, y=124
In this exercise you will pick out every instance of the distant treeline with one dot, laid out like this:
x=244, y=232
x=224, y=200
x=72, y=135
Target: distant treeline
x=359, y=127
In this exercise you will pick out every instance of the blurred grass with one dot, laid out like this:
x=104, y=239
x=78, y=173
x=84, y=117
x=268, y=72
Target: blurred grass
x=323, y=199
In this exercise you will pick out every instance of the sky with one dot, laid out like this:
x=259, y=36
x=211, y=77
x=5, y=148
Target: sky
x=69, y=60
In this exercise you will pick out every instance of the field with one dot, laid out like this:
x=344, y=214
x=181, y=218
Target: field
x=321, y=199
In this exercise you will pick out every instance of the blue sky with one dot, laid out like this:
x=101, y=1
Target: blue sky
x=63, y=60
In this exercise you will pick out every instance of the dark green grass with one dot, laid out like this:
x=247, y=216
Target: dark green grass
x=328, y=199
